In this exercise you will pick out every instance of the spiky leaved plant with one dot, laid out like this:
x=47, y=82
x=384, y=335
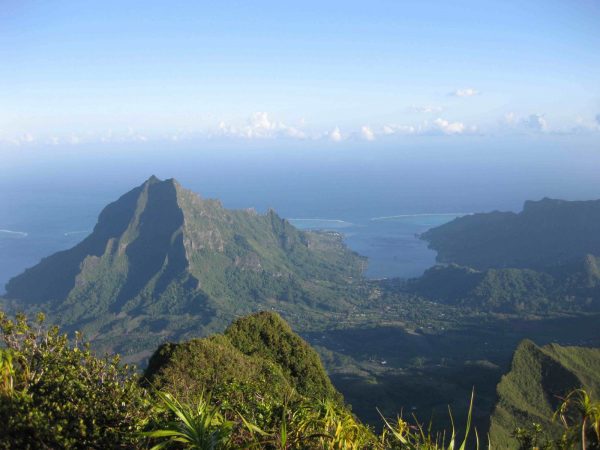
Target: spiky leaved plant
x=402, y=435
x=200, y=426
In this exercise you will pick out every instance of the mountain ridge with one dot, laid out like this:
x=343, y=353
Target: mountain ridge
x=572, y=287
x=537, y=381
x=163, y=258
x=545, y=233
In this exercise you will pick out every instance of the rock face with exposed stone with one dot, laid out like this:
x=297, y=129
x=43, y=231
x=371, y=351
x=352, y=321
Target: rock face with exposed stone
x=162, y=261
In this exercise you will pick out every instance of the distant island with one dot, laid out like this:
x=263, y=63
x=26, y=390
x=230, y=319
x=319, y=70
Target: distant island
x=546, y=234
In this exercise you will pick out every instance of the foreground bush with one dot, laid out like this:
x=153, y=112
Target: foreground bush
x=57, y=394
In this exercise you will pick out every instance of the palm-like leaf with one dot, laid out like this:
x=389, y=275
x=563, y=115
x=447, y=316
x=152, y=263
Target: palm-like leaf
x=200, y=427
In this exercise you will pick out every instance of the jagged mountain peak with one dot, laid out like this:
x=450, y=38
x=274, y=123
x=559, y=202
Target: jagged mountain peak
x=162, y=253
x=151, y=226
x=153, y=179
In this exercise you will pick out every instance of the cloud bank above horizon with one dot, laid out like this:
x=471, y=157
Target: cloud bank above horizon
x=75, y=73
x=262, y=126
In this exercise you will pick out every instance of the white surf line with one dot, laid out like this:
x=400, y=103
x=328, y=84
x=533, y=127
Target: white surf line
x=321, y=220
x=400, y=216
x=69, y=233
x=18, y=233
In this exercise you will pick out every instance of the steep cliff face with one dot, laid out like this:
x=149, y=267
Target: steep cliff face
x=162, y=261
x=136, y=251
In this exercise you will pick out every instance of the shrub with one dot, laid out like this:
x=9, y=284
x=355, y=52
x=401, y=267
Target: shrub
x=57, y=394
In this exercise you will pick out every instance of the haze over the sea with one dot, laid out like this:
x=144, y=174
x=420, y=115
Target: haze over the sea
x=378, y=198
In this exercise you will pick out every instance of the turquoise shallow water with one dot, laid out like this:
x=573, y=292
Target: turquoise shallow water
x=391, y=243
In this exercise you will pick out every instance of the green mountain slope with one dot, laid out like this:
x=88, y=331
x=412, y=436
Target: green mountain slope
x=546, y=233
x=574, y=287
x=537, y=261
x=258, y=355
x=163, y=262
x=531, y=391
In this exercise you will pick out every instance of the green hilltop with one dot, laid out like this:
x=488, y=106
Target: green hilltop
x=539, y=378
x=257, y=355
x=163, y=263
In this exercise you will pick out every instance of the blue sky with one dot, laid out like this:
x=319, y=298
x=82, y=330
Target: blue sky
x=75, y=72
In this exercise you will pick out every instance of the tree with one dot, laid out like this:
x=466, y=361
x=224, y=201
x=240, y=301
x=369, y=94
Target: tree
x=58, y=394
x=578, y=412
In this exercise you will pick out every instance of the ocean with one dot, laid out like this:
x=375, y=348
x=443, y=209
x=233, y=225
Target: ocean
x=391, y=243
x=379, y=199
x=56, y=222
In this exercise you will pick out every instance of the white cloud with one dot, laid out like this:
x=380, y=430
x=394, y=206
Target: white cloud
x=584, y=125
x=428, y=109
x=260, y=125
x=127, y=135
x=535, y=122
x=436, y=127
x=367, y=133
x=510, y=118
x=448, y=127
x=532, y=122
x=294, y=133
x=335, y=135
x=398, y=129
x=20, y=139
x=465, y=92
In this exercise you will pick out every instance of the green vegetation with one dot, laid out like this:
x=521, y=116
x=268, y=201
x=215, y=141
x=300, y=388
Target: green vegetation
x=516, y=291
x=266, y=335
x=163, y=263
x=199, y=427
x=537, y=261
x=547, y=233
x=57, y=394
x=166, y=265
x=258, y=359
x=54, y=394
x=537, y=384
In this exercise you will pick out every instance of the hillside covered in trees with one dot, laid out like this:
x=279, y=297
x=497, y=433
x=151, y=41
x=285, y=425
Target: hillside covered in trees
x=546, y=234
x=572, y=288
x=256, y=386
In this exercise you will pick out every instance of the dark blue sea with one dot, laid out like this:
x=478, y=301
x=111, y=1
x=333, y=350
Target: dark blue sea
x=380, y=198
